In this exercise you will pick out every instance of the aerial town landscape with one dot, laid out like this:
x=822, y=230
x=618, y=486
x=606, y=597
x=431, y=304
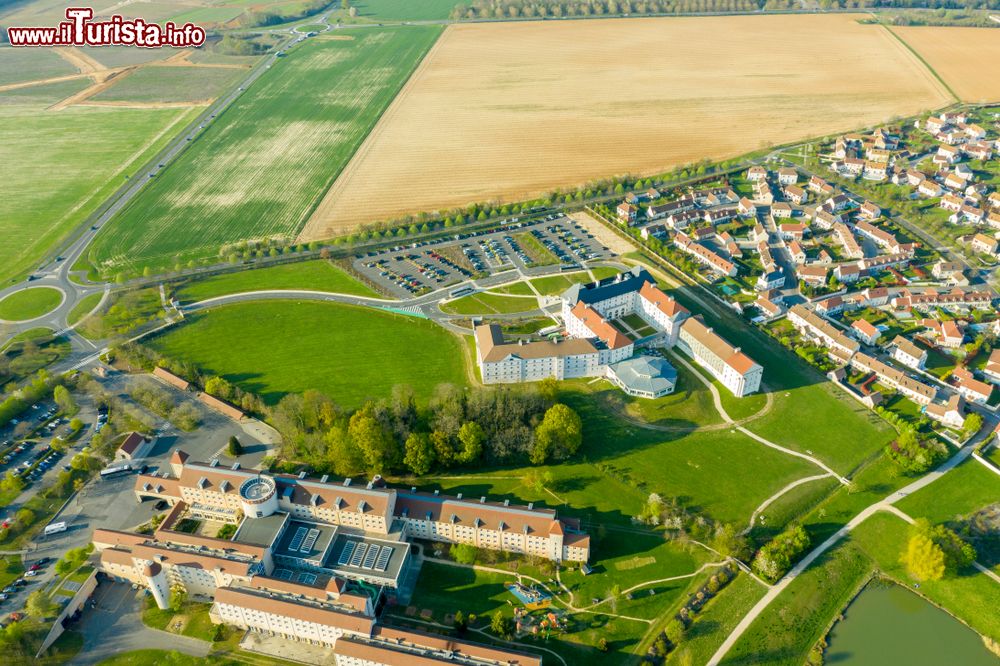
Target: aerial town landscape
x=502, y=333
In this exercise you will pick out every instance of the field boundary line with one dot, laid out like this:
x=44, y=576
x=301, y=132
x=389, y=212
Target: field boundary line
x=926, y=64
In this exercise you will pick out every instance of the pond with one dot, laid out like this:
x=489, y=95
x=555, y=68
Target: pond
x=888, y=624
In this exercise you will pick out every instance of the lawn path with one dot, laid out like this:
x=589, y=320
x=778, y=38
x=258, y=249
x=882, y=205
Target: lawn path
x=717, y=400
x=885, y=504
x=766, y=503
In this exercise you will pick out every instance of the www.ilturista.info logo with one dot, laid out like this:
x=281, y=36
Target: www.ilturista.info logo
x=79, y=30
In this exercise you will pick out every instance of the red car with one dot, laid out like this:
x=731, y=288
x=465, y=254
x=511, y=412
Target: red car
x=35, y=567
x=16, y=617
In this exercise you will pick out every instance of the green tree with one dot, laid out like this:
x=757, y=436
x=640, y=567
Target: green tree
x=234, y=446
x=419, y=457
x=178, y=595
x=464, y=553
x=501, y=625
x=39, y=605
x=472, y=436
x=12, y=483
x=558, y=436
x=973, y=423
x=377, y=445
x=460, y=622
x=64, y=400
x=675, y=631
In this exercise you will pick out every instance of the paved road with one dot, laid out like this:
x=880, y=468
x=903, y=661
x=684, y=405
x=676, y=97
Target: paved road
x=115, y=626
x=884, y=504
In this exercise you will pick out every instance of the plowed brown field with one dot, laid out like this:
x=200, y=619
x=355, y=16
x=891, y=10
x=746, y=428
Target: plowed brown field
x=506, y=111
x=968, y=59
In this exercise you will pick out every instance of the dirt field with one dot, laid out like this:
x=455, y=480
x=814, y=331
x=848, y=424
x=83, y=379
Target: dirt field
x=505, y=111
x=965, y=58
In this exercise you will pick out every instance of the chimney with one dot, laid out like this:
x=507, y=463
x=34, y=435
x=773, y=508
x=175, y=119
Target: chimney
x=236, y=466
x=437, y=492
x=482, y=500
x=459, y=496
x=506, y=502
x=324, y=478
x=371, y=484
x=302, y=475
x=214, y=463
x=347, y=481
x=413, y=489
x=531, y=505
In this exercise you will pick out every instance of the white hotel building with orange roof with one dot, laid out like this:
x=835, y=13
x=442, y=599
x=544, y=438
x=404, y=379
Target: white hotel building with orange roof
x=599, y=343
x=313, y=560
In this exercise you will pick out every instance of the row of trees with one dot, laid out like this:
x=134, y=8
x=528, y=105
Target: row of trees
x=776, y=557
x=912, y=453
x=681, y=523
x=501, y=9
x=162, y=402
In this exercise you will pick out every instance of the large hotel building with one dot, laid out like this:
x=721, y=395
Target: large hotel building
x=314, y=560
x=605, y=323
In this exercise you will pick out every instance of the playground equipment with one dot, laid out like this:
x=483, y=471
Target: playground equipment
x=531, y=597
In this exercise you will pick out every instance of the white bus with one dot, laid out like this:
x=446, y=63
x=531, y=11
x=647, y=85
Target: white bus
x=115, y=470
x=55, y=528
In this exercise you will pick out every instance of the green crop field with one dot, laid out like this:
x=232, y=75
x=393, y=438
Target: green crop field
x=405, y=10
x=63, y=174
x=259, y=169
x=315, y=275
x=18, y=65
x=349, y=353
x=29, y=303
x=172, y=84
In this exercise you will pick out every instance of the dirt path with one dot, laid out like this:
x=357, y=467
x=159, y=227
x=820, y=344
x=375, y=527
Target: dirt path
x=90, y=91
x=43, y=82
x=766, y=503
x=79, y=59
x=148, y=105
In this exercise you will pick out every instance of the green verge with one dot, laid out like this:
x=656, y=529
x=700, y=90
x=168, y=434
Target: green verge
x=83, y=308
x=260, y=168
x=30, y=303
x=317, y=275
x=349, y=353
x=719, y=617
x=486, y=304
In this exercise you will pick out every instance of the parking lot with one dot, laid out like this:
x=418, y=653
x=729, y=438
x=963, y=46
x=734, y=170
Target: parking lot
x=418, y=268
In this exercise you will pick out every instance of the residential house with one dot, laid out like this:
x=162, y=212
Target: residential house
x=627, y=213
x=797, y=253
x=984, y=244
x=864, y=331
x=950, y=413
x=787, y=176
x=870, y=211
x=756, y=173
x=908, y=353
x=813, y=274
x=796, y=194
x=929, y=188
x=970, y=387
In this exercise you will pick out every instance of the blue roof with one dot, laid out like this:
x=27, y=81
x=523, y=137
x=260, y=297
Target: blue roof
x=616, y=285
x=649, y=374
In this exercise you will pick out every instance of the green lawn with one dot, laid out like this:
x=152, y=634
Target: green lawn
x=690, y=404
x=537, y=253
x=30, y=303
x=349, y=353
x=556, y=284
x=83, y=307
x=10, y=569
x=63, y=174
x=486, y=304
x=962, y=491
x=317, y=275
x=720, y=473
x=719, y=617
x=172, y=84
x=515, y=289
x=260, y=168
x=602, y=272
x=971, y=596
x=797, y=619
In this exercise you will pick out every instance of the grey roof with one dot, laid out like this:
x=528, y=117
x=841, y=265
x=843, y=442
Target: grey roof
x=649, y=374
x=594, y=292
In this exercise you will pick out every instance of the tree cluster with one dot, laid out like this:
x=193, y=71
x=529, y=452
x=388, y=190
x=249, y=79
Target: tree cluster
x=504, y=9
x=776, y=557
x=677, y=519
x=265, y=18
x=457, y=427
x=933, y=552
x=913, y=454
x=162, y=402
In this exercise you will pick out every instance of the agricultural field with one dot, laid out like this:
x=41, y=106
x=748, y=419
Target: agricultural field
x=952, y=52
x=172, y=84
x=271, y=348
x=317, y=275
x=50, y=186
x=509, y=110
x=395, y=10
x=20, y=65
x=258, y=170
